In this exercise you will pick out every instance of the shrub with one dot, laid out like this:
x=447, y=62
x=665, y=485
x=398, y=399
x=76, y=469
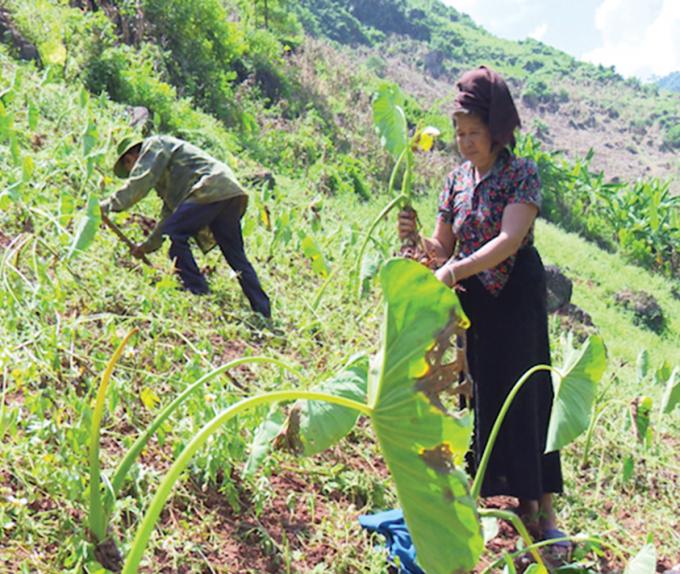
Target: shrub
x=672, y=137
x=204, y=50
x=536, y=90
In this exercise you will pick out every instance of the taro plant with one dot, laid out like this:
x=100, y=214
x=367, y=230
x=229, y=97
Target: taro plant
x=101, y=504
x=642, y=420
x=390, y=123
x=404, y=391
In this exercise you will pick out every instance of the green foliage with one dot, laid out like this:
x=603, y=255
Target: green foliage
x=644, y=561
x=641, y=219
x=536, y=90
x=204, y=48
x=87, y=227
x=346, y=175
x=322, y=424
x=575, y=393
x=420, y=312
x=425, y=450
x=390, y=120
x=671, y=396
x=672, y=136
x=326, y=18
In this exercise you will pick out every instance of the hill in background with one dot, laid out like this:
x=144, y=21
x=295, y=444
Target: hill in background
x=670, y=82
x=571, y=106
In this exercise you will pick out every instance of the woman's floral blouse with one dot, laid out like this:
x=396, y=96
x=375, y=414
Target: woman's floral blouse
x=475, y=211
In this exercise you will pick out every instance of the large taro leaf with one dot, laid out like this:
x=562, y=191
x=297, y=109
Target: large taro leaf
x=389, y=119
x=322, y=424
x=262, y=441
x=575, y=393
x=644, y=561
x=671, y=395
x=422, y=444
x=313, y=426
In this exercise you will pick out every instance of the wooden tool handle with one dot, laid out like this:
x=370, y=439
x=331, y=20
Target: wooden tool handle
x=113, y=227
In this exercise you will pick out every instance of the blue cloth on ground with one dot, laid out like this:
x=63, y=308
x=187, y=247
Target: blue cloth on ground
x=392, y=526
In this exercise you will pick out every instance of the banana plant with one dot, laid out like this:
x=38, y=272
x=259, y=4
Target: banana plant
x=401, y=391
x=390, y=124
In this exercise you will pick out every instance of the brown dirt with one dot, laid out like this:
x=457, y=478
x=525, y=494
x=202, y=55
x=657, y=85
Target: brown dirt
x=5, y=240
x=243, y=542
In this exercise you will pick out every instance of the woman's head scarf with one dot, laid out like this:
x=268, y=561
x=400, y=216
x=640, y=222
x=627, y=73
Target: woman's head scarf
x=485, y=93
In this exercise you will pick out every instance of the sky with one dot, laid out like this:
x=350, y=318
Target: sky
x=638, y=37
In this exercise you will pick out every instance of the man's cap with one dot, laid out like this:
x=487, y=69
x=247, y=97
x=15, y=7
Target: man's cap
x=126, y=144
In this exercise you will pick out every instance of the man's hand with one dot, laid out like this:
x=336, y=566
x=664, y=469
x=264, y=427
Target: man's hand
x=104, y=207
x=138, y=251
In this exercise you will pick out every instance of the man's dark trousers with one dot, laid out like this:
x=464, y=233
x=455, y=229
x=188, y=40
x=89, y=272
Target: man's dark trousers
x=224, y=220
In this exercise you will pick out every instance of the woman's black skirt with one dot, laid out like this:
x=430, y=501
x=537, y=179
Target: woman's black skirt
x=508, y=335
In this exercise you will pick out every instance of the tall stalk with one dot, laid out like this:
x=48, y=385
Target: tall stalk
x=481, y=470
x=399, y=200
x=165, y=488
x=516, y=521
x=143, y=439
x=97, y=516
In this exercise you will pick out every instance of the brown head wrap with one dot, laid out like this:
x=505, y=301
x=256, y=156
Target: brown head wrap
x=484, y=92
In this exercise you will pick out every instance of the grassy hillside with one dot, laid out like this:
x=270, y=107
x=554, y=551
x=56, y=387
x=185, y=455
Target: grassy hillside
x=574, y=106
x=64, y=312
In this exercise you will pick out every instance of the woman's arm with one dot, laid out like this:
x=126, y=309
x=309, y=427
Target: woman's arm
x=442, y=242
x=516, y=222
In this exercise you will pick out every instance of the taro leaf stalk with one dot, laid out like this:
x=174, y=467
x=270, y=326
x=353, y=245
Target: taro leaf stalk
x=423, y=444
x=390, y=123
x=575, y=384
x=100, y=512
x=105, y=549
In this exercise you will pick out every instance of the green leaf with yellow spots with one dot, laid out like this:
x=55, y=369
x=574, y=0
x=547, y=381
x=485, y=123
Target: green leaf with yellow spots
x=422, y=442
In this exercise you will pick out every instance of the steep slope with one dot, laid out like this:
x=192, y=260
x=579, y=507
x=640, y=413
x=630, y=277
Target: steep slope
x=572, y=106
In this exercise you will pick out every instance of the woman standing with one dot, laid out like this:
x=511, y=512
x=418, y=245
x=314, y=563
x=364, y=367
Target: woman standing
x=484, y=233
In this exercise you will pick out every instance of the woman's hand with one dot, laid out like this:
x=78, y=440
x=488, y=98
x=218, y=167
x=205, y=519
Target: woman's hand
x=406, y=224
x=446, y=275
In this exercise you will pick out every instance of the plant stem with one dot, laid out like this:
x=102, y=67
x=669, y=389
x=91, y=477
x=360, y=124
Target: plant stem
x=589, y=437
x=516, y=521
x=395, y=169
x=389, y=207
x=542, y=543
x=97, y=518
x=140, y=443
x=479, y=477
x=165, y=488
x=322, y=289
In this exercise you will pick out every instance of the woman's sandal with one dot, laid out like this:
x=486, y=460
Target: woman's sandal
x=561, y=549
x=550, y=533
